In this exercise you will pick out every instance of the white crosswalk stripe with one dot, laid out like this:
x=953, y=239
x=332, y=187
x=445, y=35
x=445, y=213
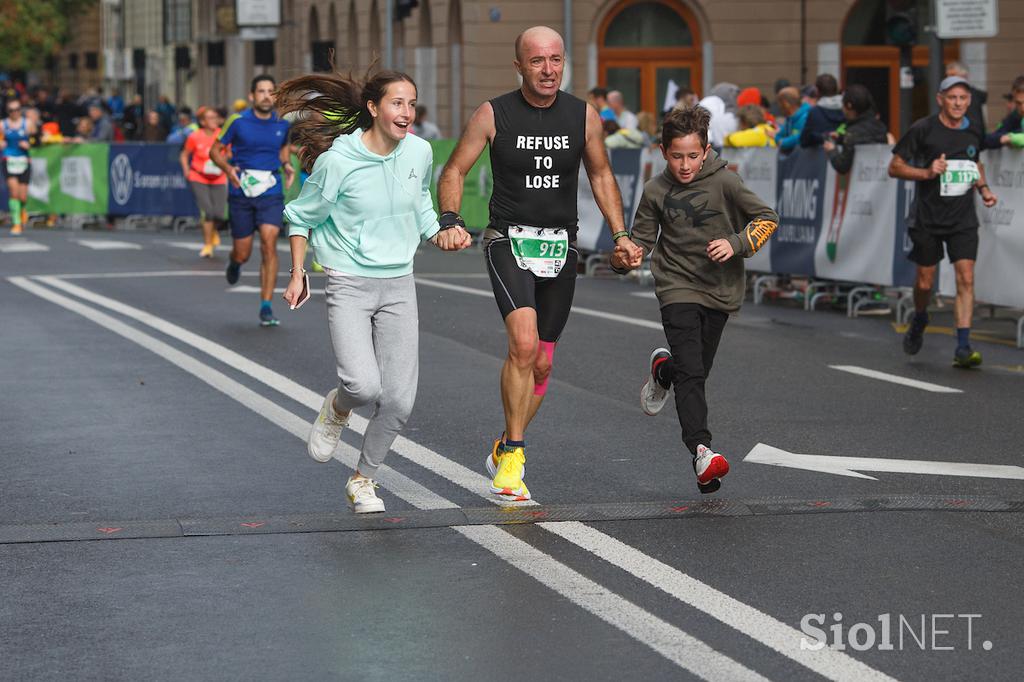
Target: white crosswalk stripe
x=21, y=246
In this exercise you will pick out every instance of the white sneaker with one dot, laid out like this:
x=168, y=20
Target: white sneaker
x=326, y=431
x=362, y=495
x=652, y=395
x=710, y=467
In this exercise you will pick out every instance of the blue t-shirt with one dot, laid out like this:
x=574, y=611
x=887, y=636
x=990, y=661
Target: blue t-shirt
x=13, y=135
x=256, y=145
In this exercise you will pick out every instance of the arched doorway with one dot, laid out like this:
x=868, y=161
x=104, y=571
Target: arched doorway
x=871, y=56
x=644, y=44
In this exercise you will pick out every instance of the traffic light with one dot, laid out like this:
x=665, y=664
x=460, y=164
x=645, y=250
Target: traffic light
x=901, y=22
x=403, y=8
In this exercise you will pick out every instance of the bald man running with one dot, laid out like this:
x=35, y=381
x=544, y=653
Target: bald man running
x=538, y=135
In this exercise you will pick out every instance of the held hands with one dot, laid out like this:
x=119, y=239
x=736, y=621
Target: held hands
x=452, y=239
x=828, y=145
x=627, y=255
x=720, y=250
x=938, y=166
x=294, y=289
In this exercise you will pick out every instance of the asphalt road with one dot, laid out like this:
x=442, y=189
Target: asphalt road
x=159, y=518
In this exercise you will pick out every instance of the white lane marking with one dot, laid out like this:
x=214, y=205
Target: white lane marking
x=247, y=289
x=458, y=474
x=107, y=244
x=894, y=379
x=760, y=626
x=647, y=324
x=17, y=245
x=644, y=294
x=849, y=466
x=677, y=646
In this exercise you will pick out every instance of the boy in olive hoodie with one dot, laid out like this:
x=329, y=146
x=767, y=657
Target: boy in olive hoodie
x=707, y=217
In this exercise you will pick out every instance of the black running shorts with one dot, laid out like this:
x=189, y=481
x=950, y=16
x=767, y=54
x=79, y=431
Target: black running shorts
x=516, y=288
x=928, y=245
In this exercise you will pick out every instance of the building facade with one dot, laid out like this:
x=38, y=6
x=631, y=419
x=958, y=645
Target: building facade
x=460, y=51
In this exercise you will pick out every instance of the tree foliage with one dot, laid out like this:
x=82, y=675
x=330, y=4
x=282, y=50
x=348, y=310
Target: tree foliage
x=30, y=30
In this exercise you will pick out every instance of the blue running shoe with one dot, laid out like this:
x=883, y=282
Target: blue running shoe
x=267, y=318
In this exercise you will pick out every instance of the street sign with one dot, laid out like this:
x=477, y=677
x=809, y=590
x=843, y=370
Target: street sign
x=967, y=18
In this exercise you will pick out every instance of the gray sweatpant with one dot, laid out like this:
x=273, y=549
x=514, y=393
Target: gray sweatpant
x=374, y=327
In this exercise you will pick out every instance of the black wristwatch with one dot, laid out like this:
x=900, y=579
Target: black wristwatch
x=450, y=219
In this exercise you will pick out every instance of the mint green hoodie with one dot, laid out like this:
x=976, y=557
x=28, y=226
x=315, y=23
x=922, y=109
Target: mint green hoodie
x=366, y=214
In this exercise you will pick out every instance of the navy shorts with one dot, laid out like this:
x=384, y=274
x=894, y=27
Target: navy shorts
x=248, y=213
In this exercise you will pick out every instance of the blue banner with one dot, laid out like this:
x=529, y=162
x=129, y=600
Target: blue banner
x=800, y=197
x=146, y=179
x=903, y=271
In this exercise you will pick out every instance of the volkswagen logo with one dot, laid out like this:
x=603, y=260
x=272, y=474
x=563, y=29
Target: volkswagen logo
x=121, y=179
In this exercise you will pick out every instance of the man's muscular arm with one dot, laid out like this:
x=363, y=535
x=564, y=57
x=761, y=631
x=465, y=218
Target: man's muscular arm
x=606, y=190
x=479, y=131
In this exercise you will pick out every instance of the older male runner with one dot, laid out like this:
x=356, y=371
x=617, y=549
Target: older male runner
x=538, y=135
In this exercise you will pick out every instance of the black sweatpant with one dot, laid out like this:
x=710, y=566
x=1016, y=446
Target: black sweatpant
x=693, y=332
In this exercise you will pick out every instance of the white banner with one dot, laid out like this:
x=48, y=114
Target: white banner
x=860, y=221
x=758, y=166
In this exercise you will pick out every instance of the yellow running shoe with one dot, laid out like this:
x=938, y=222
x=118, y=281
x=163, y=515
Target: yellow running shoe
x=509, y=478
x=216, y=238
x=492, y=460
x=206, y=251
x=16, y=229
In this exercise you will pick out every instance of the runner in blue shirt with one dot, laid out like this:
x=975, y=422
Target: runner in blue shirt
x=14, y=139
x=259, y=149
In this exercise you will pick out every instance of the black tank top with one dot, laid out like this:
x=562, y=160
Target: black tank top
x=535, y=161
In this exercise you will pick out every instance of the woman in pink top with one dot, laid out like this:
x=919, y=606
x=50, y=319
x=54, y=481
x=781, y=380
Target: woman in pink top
x=208, y=182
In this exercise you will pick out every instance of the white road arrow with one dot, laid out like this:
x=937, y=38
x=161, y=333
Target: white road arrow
x=849, y=466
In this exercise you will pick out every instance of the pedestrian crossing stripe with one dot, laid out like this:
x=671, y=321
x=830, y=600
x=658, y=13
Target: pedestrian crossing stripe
x=107, y=244
x=21, y=246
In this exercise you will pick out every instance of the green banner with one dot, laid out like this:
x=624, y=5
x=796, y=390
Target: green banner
x=69, y=179
x=476, y=192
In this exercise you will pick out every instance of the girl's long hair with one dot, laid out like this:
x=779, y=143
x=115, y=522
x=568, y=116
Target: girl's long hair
x=331, y=104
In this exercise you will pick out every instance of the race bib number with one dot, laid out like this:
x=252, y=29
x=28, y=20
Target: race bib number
x=540, y=250
x=256, y=182
x=959, y=178
x=16, y=165
x=211, y=169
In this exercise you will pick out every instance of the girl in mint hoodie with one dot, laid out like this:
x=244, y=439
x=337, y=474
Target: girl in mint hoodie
x=365, y=208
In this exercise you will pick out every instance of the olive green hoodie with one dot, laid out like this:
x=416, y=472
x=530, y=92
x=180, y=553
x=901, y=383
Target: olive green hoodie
x=715, y=205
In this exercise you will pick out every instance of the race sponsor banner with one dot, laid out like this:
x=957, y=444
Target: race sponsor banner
x=859, y=227
x=997, y=278
x=758, y=166
x=476, y=190
x=800, y=203
x=69, y=179
x=146, y=179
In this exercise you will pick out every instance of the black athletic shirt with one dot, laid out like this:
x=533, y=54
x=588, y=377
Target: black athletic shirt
x=922, y=144
x=535, y=161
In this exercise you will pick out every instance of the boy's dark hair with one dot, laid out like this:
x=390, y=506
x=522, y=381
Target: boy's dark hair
x=683, y=121
x=598, y=92
x=859, y=99
x=259, y=79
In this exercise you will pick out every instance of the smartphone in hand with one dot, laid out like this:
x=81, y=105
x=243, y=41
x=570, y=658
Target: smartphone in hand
x=304, y=296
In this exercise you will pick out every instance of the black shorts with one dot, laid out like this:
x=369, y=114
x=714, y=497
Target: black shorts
x=23, y=178
x=928, y=243
x=516, y=288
